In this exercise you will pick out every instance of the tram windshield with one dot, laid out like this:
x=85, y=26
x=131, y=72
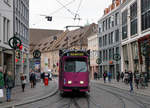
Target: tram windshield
x=75, y=65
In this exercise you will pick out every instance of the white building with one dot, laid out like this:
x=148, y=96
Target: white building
x=93, y=46
x=6, y=32
x=135, y=31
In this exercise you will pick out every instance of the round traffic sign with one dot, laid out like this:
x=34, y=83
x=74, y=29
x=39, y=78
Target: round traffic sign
x=116, y=57
x=36, y=54
x=14, y=42
x=98, y=61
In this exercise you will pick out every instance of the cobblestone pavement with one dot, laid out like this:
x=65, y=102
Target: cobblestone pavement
x=29, y=94
x=121, y=85
x=100, y=96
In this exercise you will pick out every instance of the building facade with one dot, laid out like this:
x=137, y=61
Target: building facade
x=93, y=47
x=21, y=29
x=135, y=28
x=109, y=39
x=6, y=32
x=50, y=46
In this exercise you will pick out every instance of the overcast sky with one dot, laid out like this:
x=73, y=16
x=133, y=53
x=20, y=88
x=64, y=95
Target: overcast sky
x=89, y=11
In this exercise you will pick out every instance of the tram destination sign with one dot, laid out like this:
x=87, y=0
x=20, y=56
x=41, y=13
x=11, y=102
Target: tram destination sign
x=76, y=54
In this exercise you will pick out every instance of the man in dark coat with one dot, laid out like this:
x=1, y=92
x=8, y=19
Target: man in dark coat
x=33, y=79
x=104, y=76
x=95, y=75
x=131, y=81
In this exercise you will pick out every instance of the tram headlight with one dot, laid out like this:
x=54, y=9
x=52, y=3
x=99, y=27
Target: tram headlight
x=81, y=82
x=69, y=82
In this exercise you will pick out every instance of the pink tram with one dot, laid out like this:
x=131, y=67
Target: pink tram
x=74, y=70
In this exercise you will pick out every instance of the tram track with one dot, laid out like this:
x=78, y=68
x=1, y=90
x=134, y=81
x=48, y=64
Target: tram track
x=117, y=96
x=92, y=100
x=134, y=100
x=135, y=96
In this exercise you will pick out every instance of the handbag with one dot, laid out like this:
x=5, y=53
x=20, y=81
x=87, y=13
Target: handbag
x=1, y=93
x=24, y=81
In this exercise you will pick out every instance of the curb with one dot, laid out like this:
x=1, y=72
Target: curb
x=135, y=92
x=32, y=100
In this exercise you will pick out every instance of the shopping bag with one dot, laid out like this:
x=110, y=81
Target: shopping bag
x=1, y=93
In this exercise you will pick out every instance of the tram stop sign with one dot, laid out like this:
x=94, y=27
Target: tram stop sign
x=98, y=61
x=116, y=57
x=36, y=54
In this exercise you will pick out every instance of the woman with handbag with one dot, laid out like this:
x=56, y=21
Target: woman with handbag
x=9, y=84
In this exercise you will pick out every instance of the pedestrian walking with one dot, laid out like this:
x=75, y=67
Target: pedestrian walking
x=131, y=81
x=1, y=83
x=109, y=76
x=122, y=76
x=104, y=76
x=95, y=75
x=126, y=77
x=9, y=84
x=118, y=76
x=146, y=79
x=137, y=80
x=42, y=76
x=46, y=78
x=23, y=81
x=32, y=79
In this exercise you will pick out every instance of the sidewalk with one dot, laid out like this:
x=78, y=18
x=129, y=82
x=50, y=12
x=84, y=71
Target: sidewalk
x=121, y=85
x=30, y=93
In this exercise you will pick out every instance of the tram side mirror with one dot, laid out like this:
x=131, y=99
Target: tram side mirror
x=88, y=51
x=60, y=52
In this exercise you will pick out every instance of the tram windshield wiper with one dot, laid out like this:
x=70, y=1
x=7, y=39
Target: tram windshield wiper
x=81, y=69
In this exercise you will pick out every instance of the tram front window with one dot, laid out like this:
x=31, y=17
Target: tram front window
x=75, y=65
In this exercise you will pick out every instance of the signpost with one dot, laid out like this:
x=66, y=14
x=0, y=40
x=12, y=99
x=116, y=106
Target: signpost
x=15, y=43
x=117, y=57
x=98, y=61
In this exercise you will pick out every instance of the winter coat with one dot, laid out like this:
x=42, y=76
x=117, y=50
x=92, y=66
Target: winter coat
x=32, y=77
x=9, y=82
x=1, y=80
x=130, y=77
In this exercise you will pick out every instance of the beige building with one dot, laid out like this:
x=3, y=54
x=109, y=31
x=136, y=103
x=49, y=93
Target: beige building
x=93, y=46
x=50, y=46
x=46, y=38
x=135, y=32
